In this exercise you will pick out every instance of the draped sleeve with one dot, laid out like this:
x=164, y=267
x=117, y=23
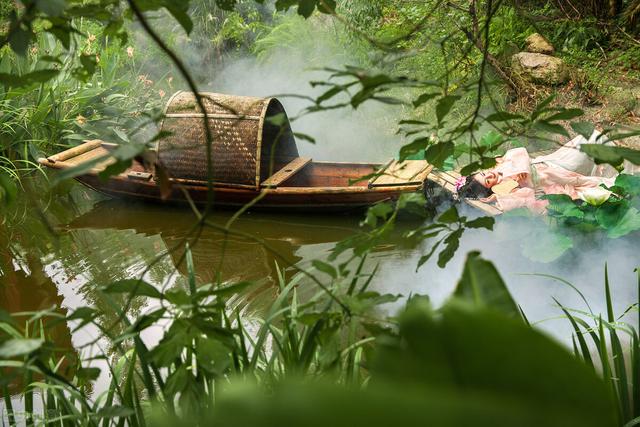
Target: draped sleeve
x=523, y=197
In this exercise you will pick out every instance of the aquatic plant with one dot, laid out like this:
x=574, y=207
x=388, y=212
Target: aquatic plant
x=615, y=211
x=616, y=346
x=441, y=363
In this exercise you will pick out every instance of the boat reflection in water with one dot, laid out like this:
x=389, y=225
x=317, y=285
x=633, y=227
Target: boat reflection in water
x=276, y=241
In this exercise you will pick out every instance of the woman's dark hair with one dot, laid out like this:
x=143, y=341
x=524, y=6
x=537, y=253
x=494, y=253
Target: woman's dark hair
x=472, y=189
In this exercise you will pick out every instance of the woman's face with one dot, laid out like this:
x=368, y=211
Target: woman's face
x=488, y=178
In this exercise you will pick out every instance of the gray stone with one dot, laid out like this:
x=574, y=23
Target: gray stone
x=537, y=44
x=540, y=68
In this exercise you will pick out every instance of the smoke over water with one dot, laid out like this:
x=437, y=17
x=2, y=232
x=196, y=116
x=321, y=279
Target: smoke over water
x=363, y=135
x=368, y=135
x=509, y=247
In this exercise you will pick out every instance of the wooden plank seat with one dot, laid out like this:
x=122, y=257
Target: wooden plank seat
x=408, y=172
x=286, y=172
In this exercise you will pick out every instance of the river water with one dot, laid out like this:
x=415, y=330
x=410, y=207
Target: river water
x=59, y=246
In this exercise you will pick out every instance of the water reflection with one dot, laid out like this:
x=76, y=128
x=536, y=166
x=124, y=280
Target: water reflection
x=220, y=256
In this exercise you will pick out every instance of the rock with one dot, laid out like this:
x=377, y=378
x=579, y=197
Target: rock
x=538, y=44
x=540, y=68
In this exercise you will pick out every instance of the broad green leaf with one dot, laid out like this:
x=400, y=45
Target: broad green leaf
x=226, y=4
x=51, y=7
x=566, y=114
x=482, y=222
x=561, y=205
x=449, y=216
x=414, y=147
x=546, y=246
x=133, y=287
x=452, y=243
x=19, y=40
x=89, y=374
x=482, y=285
x=114, y=169
x=377, y=211
x=628, y=223
x=630, y=184
x=611, y=155
x=551, y=128
x=327, y=6
x=424, y=98
x=444, y=105
x=609, y=215
x=19, y=347
x=584, y=128
x=39, y=76
x=306, y=7
x=438, y=153
x=180, y=11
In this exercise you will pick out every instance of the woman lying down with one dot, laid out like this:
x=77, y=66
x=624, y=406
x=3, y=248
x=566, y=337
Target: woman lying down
x=518, y=181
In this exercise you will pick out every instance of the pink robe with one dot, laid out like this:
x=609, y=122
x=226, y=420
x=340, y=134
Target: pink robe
x=549, y=179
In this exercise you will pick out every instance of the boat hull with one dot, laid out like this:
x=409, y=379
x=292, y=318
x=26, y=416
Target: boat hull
x=285, y=198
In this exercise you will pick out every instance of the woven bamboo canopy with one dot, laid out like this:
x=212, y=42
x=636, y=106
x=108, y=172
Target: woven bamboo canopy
x=247, y=134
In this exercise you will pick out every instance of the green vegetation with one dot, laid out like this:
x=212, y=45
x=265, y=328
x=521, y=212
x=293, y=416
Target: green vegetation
x=326, y=352
x=214, y=365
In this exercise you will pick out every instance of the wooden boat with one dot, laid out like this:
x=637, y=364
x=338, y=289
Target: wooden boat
x=253, y=158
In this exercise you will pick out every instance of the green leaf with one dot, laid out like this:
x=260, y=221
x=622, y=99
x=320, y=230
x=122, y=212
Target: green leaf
x=628, y=223
x=444, y=105
x=377, y=211
x=116, y=411
x=452, y=244
x=52, y=7
x=561, y=205
x=19, y=39
x=325, y=268
x=180, y=11
x=551, y=128
x=133, y=287
x=546, y=246
x=225, y=4
x=114, y=169
x=19, y=347
x=306, y=7
x=609, y=215
x=327, y=6
x=424, y=98
x=39, y=76
x=482, y=285
x=449, y=216
x=482, y=222
x=304, y=137
x=438, y=153
x=565, y=114
x=503, y=116
x=630, y=184
x=88, y=374
x=584, y=128
x=611, y=155
x=414, y=147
